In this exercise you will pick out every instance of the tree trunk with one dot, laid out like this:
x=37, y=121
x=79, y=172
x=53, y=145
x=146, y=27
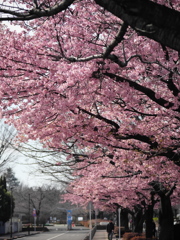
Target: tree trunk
x=166, y=219
x=138, y=221
x=149, y=221
x=124, y=219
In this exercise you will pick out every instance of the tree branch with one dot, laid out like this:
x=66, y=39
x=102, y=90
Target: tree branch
x=147, y=91
x=119, y=37
x=36, y=12
x=112, y=123
x=148, y=18
x=125, y=176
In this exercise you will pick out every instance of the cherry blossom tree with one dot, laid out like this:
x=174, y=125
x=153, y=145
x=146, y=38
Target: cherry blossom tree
x=151, y=95
x=156, y=20
x=99, y=77
x=125, y=187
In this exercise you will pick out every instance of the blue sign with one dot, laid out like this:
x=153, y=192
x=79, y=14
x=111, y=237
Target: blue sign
x=34, y=212
x=69, y=217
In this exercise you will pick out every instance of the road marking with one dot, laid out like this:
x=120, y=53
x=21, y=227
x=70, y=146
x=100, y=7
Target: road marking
x=56, y=236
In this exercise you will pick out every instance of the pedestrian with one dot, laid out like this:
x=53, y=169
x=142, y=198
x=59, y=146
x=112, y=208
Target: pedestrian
x=110, y=229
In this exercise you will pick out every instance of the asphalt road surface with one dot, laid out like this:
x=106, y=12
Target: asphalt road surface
x=60, y=233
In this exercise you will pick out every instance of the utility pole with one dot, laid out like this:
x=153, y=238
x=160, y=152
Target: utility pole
x=29, y=215
x=119, y=216
x=11, y=212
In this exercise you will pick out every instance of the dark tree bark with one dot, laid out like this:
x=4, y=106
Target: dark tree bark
x=138, y=219
x=149, y=221
x=124, y=219
x=149, y=19
x=166, y=219
x=166, y=213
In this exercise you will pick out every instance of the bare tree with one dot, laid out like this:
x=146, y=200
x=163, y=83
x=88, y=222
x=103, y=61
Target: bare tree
x=7, y=143
x=45, y=200
x=53, y=164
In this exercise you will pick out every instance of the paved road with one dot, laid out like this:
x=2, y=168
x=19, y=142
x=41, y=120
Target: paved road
x=59, y=233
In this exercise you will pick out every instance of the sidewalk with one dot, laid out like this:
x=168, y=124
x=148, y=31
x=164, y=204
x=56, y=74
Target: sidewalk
x=102, y=235
x=17, y=235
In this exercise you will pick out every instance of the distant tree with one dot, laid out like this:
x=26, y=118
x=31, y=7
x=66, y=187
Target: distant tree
x=3, y=183
x=46, y=201
x=6, y=202
x=11, y=179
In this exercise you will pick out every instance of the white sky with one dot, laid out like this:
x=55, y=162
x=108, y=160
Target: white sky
x=27, y=173
x=26, y=170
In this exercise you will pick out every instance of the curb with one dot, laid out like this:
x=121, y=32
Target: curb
x=93, y=231
x=18, y=236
